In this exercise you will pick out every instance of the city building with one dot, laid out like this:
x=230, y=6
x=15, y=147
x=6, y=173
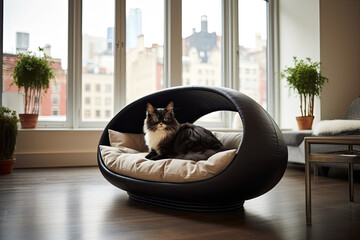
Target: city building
x=144, y=69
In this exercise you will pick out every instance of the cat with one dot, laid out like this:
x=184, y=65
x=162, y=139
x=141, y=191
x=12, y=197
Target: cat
x=167, y=138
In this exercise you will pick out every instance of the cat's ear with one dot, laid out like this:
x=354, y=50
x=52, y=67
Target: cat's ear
x=150, y=108
x=170, y=107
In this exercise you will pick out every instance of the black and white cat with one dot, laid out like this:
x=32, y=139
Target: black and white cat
x=166, y=138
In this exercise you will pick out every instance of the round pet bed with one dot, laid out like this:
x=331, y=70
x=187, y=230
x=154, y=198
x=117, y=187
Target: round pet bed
x=258, y=165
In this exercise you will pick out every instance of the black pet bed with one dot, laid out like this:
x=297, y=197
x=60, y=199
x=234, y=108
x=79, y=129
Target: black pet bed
x=259, y=163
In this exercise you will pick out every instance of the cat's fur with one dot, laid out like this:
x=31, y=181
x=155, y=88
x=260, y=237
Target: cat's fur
x=166, y=138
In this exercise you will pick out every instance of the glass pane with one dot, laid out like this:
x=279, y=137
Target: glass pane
x=201, y=60
x=98, y=60
x=26, y=28
x=201, y=33
x=144, y=47
x=253, y=45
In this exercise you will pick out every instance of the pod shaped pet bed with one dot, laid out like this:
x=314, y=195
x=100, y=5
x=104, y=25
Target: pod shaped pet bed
x=256, y=165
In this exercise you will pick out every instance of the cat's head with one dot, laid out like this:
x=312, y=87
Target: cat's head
x=161, y=118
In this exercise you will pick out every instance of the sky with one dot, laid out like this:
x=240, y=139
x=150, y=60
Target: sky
x=43, y=25
x=50, y=26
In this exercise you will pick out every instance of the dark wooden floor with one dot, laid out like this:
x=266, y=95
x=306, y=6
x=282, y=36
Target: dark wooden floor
x=78, y=203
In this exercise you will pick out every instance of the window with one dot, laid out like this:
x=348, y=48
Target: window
x=98, y=87
x=28, y=25
x=55, y=112
x=87, y=87
x=87, y=101
x=87, y=113
x=253, y=50
x=55, y=100
x=144, y=47
x=202, y=52
x=97, y=113
x=108, y=113
x=201, y=33
x=107, y=101
x=55, y=88
x=108, y=88
x=97, y=54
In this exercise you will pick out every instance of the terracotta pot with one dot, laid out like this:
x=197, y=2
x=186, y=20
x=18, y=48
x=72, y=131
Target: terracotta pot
x=28, y=120
x=305, y=123
x=6, y=165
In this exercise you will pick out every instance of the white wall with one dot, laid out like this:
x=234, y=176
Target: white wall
x=299, y=35
x=56, y=147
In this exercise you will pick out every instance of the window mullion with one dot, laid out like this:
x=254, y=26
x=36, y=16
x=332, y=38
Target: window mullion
x=230, y=49
x=173, y=43
x=120, y=55
x=71, y=69
x=76, y=58
x=273, y=61
x=1, y=49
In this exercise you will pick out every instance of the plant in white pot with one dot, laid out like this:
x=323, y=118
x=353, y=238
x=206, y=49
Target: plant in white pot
x=306, y=80
x=8, y=135
x=32, y=75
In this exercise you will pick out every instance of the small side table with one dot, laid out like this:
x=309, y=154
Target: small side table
x=349, y=156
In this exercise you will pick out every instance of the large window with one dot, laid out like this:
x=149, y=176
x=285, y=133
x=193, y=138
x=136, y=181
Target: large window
x=97, y=60
x=253, y=50
x=202, y=49
x=27, y=26
x=120, y=50
x=144, y=47
x=201, y=33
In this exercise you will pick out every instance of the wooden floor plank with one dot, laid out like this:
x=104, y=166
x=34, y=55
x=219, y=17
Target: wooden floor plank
x=78, y=203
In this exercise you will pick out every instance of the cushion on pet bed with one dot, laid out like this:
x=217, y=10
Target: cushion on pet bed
x=127, y=152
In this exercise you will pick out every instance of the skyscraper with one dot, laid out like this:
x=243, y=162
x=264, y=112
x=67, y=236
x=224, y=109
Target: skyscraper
x=133, y=27
x=110, y=40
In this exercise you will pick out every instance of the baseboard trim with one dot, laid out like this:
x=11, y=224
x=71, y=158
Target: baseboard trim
x=65, y=159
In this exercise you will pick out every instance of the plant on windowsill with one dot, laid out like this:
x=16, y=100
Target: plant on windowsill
x=306, y=80
x=32, y=75
x=8, y=135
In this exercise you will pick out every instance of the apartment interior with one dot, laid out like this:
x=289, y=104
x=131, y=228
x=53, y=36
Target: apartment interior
x=56, y=190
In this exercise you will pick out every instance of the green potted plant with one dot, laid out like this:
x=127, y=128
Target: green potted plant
x=8, y=134
x=32, y=75
x=306, y=80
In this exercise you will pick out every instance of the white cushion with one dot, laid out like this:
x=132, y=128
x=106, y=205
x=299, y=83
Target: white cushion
x=337, y=127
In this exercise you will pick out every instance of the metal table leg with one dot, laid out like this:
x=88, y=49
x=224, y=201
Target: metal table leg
x=308, y=183
x=351, y=177
x=351, y=182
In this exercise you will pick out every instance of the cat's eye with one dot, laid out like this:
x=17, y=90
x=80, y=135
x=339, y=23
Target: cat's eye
x=155, y=119
x=166, y=119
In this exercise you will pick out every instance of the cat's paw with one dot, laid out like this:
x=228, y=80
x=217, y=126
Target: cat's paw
x=159, y=157
x=151, y=155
